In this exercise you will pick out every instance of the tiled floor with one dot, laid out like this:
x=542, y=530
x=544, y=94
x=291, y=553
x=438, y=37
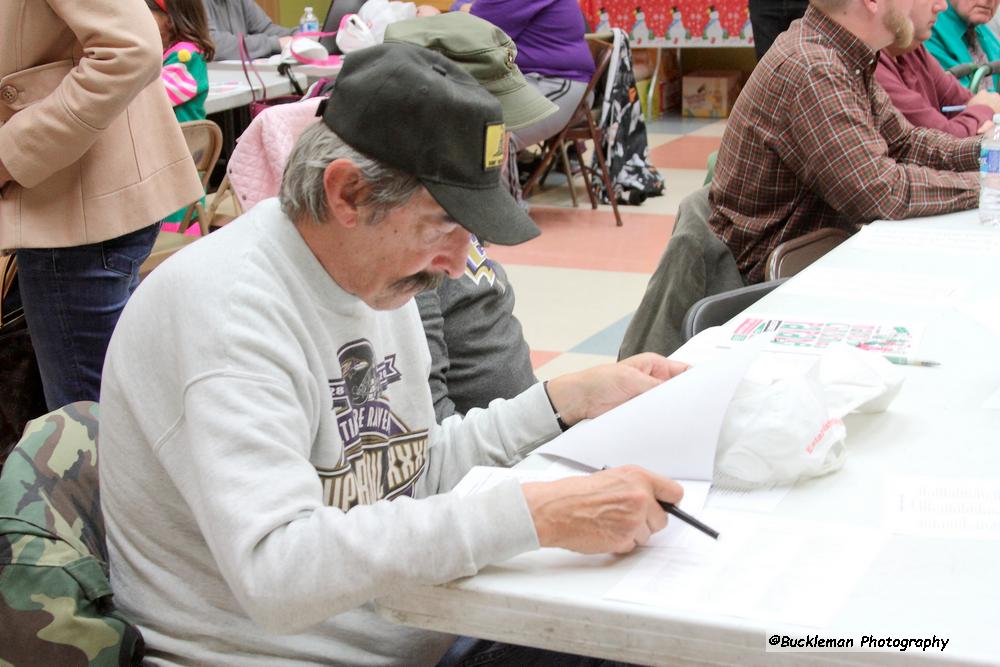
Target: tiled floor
x=578, y=284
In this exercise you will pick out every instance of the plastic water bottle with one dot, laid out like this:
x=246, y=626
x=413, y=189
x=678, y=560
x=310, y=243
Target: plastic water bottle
x=309, y=22
x=989, y=176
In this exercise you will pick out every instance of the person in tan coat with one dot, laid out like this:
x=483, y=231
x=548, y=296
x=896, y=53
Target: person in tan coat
x=91, y=158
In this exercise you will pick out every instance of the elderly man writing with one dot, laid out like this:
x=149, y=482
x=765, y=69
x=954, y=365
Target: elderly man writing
x=265, y=480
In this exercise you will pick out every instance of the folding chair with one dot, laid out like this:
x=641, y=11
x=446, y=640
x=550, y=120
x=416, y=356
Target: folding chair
x=204, y=141
x=790, y=257
x=720, y=308
x=581, y=127
x=223, y=192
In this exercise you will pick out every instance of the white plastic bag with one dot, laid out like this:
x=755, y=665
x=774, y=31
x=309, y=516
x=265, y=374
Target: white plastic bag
x=354, y=34
x=378, y=14
x=781, y=430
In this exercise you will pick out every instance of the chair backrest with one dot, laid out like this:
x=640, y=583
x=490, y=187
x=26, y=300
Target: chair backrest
x=53, y=558
x=720, y=308
x=790, y=257
x=601, y=51
x=204, y=141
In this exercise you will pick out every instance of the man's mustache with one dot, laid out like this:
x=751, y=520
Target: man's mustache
x=419, y=282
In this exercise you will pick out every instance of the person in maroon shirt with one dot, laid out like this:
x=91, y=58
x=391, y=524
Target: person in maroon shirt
x=919, y=87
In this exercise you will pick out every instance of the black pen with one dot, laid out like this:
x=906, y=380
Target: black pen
x=676, y=511
x=672, y=509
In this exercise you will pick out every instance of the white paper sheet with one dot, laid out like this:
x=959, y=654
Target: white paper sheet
x=672, y=429
x=730, y=496
x=909, y=239
x=984, y=311
x=942, y=507
x=993, y=401
x=776, y=571
x=892, y=287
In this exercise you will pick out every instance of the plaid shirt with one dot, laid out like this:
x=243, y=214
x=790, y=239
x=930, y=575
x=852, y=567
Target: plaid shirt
x=813, y=141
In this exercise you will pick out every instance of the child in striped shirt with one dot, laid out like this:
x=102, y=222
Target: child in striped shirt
x=187, y=48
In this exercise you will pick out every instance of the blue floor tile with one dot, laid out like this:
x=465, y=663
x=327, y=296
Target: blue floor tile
x=678, y=124
x=607, y=341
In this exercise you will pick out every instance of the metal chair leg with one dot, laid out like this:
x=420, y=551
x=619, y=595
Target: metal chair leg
x=538, y=175
x=605, y=175
x=586, y=172
x=568, y=171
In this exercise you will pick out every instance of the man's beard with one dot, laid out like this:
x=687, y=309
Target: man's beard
x=418, y=282
x=899, y=25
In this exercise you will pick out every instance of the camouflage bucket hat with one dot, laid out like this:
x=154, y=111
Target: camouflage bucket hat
x=484, y=51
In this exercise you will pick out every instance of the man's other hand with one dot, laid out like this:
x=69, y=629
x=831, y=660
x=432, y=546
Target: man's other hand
x=594, y=391
x=611, y=511
x=987, y=98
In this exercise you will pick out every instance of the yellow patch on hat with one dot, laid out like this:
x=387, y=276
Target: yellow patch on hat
x=493, y=155
x=184, y=55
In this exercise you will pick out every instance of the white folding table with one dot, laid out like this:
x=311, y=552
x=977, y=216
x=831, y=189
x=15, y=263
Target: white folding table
x=916, y=587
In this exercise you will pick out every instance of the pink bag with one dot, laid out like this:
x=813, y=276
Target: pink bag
x=257, y=105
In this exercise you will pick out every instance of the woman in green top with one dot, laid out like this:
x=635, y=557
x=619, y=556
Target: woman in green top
x=962, y=36
x=187, y=48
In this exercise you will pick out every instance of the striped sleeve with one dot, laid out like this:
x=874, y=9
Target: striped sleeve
x=180, y=85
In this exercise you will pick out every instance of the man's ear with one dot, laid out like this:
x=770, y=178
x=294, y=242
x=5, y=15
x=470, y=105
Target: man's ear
x=345, y=189
x=871, y=6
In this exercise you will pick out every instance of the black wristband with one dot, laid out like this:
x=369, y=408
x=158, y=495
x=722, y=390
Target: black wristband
x=563, y=426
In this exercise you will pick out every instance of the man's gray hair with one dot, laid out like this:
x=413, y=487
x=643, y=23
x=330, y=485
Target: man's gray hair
x=302, y=192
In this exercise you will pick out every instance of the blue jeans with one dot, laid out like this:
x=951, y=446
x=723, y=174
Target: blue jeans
x=72, y=299
x=471, y=652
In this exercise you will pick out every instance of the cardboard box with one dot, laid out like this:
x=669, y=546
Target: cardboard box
x=710, y=93
x=667, y=95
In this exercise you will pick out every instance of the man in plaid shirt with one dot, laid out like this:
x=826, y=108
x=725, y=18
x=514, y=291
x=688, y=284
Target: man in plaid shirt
x=814, y=141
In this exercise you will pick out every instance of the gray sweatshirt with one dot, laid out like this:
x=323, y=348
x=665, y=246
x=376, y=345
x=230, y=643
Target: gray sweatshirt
x=270, y=461
x=228, y=18
x=478, y=351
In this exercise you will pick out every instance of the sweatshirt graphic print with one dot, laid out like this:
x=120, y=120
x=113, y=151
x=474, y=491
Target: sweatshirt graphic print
x=382, y=456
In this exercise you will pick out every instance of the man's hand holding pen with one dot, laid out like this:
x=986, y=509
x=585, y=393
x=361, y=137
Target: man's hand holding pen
x=610, y=511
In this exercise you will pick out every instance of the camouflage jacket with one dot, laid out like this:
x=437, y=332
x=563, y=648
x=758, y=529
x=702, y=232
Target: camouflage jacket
x=55, y=598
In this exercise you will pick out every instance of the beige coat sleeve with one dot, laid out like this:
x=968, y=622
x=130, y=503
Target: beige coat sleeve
x=122, y=54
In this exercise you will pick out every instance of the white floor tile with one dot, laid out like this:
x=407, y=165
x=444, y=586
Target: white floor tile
x=560, y=308
x=570, y=363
